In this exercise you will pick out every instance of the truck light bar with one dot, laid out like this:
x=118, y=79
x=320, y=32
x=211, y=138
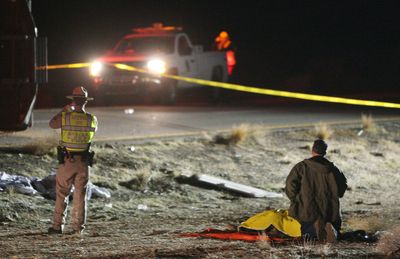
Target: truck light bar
x=157, y=28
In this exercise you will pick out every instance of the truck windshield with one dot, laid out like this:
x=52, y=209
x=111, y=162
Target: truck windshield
x=146, y=45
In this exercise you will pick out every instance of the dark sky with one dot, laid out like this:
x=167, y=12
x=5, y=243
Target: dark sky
x=319, y=45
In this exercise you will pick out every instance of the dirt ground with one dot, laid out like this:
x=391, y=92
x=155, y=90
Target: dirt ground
x=149, y=208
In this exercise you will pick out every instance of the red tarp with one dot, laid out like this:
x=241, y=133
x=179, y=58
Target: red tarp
x=235, y=235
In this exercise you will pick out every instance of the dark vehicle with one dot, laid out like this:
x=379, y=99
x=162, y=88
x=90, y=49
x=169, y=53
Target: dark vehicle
x=21, y=52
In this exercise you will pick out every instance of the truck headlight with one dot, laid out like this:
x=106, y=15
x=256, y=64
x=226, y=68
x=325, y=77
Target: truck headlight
x=95, y=69
x=156, y=66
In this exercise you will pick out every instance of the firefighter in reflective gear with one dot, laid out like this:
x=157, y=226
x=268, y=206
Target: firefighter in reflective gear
x=224, y=43
x=77, y=131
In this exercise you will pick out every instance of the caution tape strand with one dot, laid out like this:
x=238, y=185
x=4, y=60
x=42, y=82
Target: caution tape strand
x=265, y=91
x=242, y=88
x=73, y=65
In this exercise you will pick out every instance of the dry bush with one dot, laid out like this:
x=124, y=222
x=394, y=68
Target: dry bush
x=143, y=176
x=241, y=133
x=389, y=243
x=258, y=134
x=322, y=131
x=238, y=134
x=141, y=179
x=368, y=124
x=370, y=224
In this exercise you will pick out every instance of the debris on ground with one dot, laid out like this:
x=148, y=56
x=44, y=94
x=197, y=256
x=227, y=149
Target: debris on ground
x=46, y=186
x=144, y=217
x=212, y=182
x=16, y=183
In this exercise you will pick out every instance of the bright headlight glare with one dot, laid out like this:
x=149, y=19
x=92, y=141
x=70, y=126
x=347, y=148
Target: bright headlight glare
x=96, y=68
x=156, y=66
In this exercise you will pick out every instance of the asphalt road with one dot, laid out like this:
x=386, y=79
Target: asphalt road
x=133, y=122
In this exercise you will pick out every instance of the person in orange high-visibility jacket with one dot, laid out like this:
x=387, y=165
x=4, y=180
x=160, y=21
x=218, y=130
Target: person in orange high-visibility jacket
x=77, y=131
x=224, y=43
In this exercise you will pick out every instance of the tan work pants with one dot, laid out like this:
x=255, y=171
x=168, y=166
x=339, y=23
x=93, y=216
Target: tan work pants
x=74, y=171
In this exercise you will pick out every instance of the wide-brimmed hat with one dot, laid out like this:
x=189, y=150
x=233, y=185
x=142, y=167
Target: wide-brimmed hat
x=80, y=92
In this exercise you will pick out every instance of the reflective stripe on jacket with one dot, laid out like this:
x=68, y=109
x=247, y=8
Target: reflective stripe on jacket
x=77, y=130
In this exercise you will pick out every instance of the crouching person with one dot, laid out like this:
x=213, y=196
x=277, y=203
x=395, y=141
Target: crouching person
x=314, y=187
x=77, y=130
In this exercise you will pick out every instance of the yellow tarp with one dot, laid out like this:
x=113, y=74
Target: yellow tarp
x=277, y=218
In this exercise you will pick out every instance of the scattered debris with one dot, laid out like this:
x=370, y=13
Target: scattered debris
x=19, y=184
x=142, y=207
x=97, y=192
x=370, y=203
x=374, y=203
x=212, y=182
x=46, y=186
x=377, y=154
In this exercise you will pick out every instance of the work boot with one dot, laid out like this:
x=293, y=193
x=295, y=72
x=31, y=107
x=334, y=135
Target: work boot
x=331, y=234
x=53, y=231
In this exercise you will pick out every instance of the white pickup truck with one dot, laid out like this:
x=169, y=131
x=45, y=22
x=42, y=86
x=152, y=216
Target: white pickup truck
x=158, y=50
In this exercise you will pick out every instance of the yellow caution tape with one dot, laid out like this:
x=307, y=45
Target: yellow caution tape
x=236, y=87
x=74, y=65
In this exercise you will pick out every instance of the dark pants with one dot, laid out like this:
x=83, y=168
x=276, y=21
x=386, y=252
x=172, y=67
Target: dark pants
x=308, y=230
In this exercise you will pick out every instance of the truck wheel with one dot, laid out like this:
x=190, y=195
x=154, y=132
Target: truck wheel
x=216, y=92
x=169, y=89
x=169, y=92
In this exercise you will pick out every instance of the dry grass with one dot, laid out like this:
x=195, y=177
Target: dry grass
x=143, y=176
x=263, y=243
x=140, y=180
x=241, y=133
x=389, y=243
x=368, y=123
x=41, y=146
x=324, y=249
x=11, y=191
x=306, y=247
x=370, y=224
x=322, y=131
x=238, y=134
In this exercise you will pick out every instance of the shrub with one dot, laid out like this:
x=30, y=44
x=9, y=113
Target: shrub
x=323, y=131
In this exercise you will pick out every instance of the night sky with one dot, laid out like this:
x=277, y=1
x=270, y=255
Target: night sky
x=326, y=47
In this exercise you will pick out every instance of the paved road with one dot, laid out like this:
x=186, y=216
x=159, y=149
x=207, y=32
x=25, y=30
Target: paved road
x=116, y=123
